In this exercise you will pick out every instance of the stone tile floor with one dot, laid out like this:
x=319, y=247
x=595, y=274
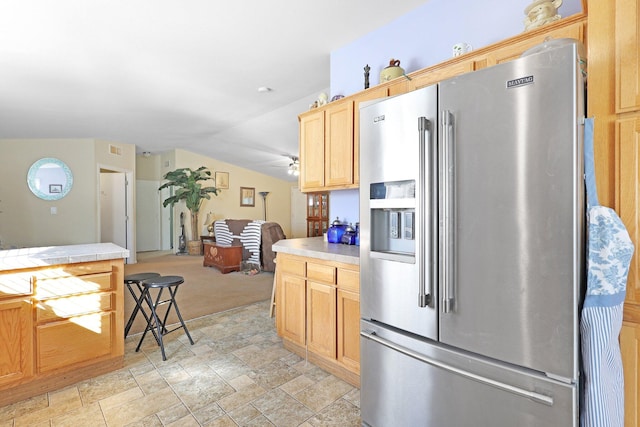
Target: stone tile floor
x=236, y=374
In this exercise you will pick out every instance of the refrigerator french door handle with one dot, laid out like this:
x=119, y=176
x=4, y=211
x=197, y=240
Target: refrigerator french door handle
x=447, y=252
x=426, y=218
x=537, y=397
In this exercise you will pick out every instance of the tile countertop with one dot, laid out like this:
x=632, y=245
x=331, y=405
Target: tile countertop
x=14, y=259
x=316, y=247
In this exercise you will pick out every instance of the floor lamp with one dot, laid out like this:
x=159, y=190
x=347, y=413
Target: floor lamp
x=264, y=195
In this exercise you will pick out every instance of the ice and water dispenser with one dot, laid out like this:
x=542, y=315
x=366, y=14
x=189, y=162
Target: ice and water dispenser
x=393, y=217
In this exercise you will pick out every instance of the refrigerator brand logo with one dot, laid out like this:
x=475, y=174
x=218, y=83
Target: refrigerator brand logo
x=520, y=82
x=378, y=119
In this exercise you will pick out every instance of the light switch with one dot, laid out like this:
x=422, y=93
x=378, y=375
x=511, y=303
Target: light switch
x=54, y=210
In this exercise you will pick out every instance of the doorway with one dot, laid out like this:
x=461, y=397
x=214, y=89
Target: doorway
x=116, y=201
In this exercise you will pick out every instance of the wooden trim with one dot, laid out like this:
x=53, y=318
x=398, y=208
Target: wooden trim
x=328, y=365
x=58, y=380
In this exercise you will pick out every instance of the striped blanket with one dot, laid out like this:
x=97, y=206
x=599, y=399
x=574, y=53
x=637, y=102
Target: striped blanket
x=250, y=238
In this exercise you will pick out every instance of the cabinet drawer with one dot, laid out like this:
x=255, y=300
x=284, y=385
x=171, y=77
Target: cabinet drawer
x=71, y=285
x=15, y=284
x=321, y=272
x=93, y=267
x=349, y=280
x=62, y=344
x=291, y=266
x=64, y=308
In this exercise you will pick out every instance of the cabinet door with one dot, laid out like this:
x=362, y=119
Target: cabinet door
x=349, y=330
x=81, y=339
x=630, y=348
x=321, y=319
x=290, y=296
x=514, y=50
x=312, y=151
x=628, y=197
x=339, y=145
x=627, y=33
x=16, y=341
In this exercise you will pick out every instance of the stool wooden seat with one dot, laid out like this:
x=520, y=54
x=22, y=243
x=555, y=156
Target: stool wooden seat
x=130, y=281
x=155, y=324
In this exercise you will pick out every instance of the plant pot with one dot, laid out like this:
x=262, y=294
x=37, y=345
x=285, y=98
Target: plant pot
x=194, y=247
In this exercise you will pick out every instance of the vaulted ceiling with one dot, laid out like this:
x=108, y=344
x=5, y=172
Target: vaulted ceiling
x=164, y=74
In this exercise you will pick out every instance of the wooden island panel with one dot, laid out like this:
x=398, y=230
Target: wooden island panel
x=59, y=324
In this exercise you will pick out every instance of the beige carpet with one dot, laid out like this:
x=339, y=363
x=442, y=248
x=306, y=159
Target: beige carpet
x=205, y=290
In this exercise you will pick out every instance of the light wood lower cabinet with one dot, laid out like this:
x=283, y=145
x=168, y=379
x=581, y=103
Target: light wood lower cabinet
x=321, y=319
x=291, y=294
x=59, y=325
x=318, y=312
x=349, y=330
x=16, y=338
x=630, y=348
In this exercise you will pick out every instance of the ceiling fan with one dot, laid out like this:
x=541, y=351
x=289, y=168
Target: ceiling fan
x=294, y=166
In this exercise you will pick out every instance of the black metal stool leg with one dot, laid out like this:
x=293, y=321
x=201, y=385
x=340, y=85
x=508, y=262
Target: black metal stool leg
x=155, y=325
x=136, y=279
x=175, y=304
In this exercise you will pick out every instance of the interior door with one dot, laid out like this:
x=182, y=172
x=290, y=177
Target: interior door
x=113, y=208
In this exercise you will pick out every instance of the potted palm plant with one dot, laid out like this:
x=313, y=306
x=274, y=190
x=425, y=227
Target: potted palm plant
x=188, y=188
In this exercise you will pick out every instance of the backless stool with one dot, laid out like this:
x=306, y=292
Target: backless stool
x=156, y=325
x=130, y=281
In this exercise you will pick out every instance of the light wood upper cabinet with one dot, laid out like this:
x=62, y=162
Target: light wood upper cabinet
x=312, y=151
x=627, y=64
x=338, y=145
x=326, y=147
x=514, y=50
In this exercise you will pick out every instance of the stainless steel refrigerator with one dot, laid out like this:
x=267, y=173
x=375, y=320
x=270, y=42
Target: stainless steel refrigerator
x=472, y=248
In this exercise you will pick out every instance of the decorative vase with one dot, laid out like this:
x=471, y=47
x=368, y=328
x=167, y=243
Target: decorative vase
x=392, y=71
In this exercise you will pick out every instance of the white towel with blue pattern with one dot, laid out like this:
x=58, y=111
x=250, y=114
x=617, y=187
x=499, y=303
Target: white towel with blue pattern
x=609, y=252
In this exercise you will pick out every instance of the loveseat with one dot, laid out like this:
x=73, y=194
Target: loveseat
x=257, y=238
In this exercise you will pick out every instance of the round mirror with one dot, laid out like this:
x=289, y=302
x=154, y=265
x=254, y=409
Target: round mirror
x=50, y=179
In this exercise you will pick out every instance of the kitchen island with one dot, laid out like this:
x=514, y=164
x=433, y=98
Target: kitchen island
x=61, y=316
x=318, y=303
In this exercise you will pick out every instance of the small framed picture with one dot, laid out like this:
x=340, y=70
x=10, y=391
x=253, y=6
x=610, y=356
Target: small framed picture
x=247, y=196
x=222, y=180
x=55, y=188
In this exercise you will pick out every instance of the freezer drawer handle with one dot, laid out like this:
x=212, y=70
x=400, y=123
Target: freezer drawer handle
x=540, y=398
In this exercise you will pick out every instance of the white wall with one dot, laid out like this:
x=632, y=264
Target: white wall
x=27, y=221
